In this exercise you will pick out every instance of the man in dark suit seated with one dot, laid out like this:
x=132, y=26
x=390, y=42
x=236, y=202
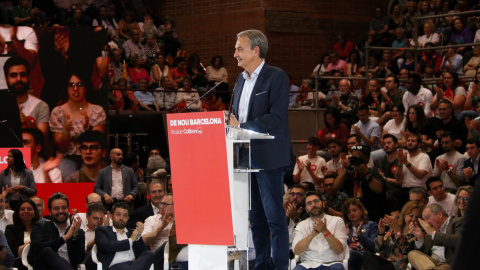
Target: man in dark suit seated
x=435, y=249
x=156, y=190
x=470, y=173
x=118, y=248
x=56, y=244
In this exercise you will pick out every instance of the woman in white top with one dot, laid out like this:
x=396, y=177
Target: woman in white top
x=451, y=91
x=396, y=125
x=160, y=70
x=430, y=36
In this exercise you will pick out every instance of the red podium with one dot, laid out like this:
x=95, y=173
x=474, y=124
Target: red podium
x=211, y=186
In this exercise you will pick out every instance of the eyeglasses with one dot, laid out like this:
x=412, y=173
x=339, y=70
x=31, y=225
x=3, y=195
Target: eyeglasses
x=295, y=194
x=462, y=198
x=93, y=148
x=164, y=204
x=79, y=84
x=312, y=202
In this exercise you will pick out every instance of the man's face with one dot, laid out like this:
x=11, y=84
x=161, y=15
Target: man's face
x=17, y=80
x=472, y=150
x=418, y=197
x=312, y=149
x=344, y=87
x=117, y=156
x=95, y=219
x=444, y=111
x=334, y=150
x=296, y=195
x=156, y=193
x=437, y=190
x=24, y=3
x=390, y=84
x=154, y=152
x=117, y=56
x=373, y=86
x=135, y=36
x=40, y=205
x=363, y=116
x=102, y=12
x=333, y=58
x=29, y=142
x=352, y=142
x=167, y=83
x=245, y=56
x=429, y=72
x=92, y=153
x=328, y=186
x=166, y=201
x=120, y=218
x=412, y=144
x=412, y=86
x=142, y=84
x=389, y=145
x=378, y=12
x=403, y=74
x=59, y=211
x=447, y=144
x=434, y=220
x=314, y=206
x=398, y=34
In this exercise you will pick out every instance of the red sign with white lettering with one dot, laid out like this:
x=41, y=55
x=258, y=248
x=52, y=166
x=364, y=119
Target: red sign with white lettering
x=198, y=156
x=26, y=157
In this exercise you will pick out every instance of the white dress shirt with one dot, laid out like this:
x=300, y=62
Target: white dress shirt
x=247, y=92
x=126, y=255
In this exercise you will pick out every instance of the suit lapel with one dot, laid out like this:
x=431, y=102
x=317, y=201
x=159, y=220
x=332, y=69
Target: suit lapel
x=257, y=87
x=238, y=93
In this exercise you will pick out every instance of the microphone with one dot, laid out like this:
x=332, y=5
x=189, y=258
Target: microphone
x=206, y=93
x=11, y=131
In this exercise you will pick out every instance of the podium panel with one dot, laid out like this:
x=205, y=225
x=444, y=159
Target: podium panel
x=199, y=165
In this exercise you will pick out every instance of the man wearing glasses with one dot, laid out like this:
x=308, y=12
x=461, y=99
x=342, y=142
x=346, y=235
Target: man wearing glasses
x=321, y=239
x=116, y=182
x=294, y=210
x=93, y=151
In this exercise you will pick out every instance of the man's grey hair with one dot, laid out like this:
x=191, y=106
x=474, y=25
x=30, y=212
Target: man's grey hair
x=435, y=208
x=419, y=190
x=256, y=38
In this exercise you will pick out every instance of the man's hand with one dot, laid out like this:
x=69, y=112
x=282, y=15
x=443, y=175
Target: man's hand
x=319, y=226
x=73, y=230
x=292, y=211
x=336, y=100
x=428, y=229
x=106, y=221
x=356, y=129
x=344, y=160
x=402, y=156
x=108, y=199
x=52, y=163
x=129, y=198
x=308, y=165
x=300, y=165
x=438, y=132
x=137, y=232
x=416, y=230
x=441, y=164
x=467, y=172
x=233, y=120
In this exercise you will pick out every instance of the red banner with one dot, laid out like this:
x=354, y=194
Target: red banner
x=27, y=152
x=198, y=156
x=76, y=193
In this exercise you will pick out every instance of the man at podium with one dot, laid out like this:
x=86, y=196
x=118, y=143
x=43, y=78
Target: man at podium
x=261, y=104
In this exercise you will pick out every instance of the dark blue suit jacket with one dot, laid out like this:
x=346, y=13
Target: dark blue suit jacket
x=468, y=163
x=108, y=245
x=268, y=113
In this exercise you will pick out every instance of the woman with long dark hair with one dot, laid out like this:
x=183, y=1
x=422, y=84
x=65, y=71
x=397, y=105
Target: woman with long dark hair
x=334, y=128
x=452, y=91
x=17, y=180
x=18, y=233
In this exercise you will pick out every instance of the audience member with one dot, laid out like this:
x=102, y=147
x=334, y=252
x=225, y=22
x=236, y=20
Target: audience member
x=452, y=61
x=429, y=36
x=392, y=97
x=108, y=22
x=196, y=71
x=353, y=65
x=57, y=244
x=335, y=62
x=186, y=93
x=294, y=209
x=449, y=166
x=160, y=69
x=95, y=217
x=334, y=128
x=16, y=181
x=438, y=195
x=308, y=167
x=116, y=182
x=18, y=233
x=346, y=103
x=91, y=199
x=472, y=64
x=292, y=101
x=152, y=49
x=156, y=191
x=127, y=24
x=118, y=65
x=40, y=206
x=6, y=215
x=167, y=97
x=396, y=125
x=419, y=195
x=169, y=37
x=368, y=130
x=34, y=113
x=320, y=238
x=133, y=45
x=145, y=99
x=435, y=249
x=452, y=91
x=333, y=200
x=137, y=70
x=24, y=15
x=470, y=166
x=416, y=123
x=122, y=98
x=461, y=34
x=380, y=23
x=43, y=172
x=363, y=183
x=387, y=166
x=431, y=58
x=463, y=195
x=6, y=255
x=360, y=231
x=416, y=94
x=93, y=151
x=119, y=247
x=178, y=72
x=343, y=46
x=334, y=165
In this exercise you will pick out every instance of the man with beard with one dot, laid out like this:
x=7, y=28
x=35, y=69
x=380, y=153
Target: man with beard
x=56, y=244
x=346, y=103
x=334, y=147
x=34, y=113
x=119, y=248
x=449, y=166
x=93, y=150
x=321, y=239
x=414, y=167
x=333, y=199
x=387, y=166
x=392, y=98
x=116, y=182
x=294, y=209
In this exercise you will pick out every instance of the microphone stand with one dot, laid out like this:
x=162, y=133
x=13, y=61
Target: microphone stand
x=206, y=93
